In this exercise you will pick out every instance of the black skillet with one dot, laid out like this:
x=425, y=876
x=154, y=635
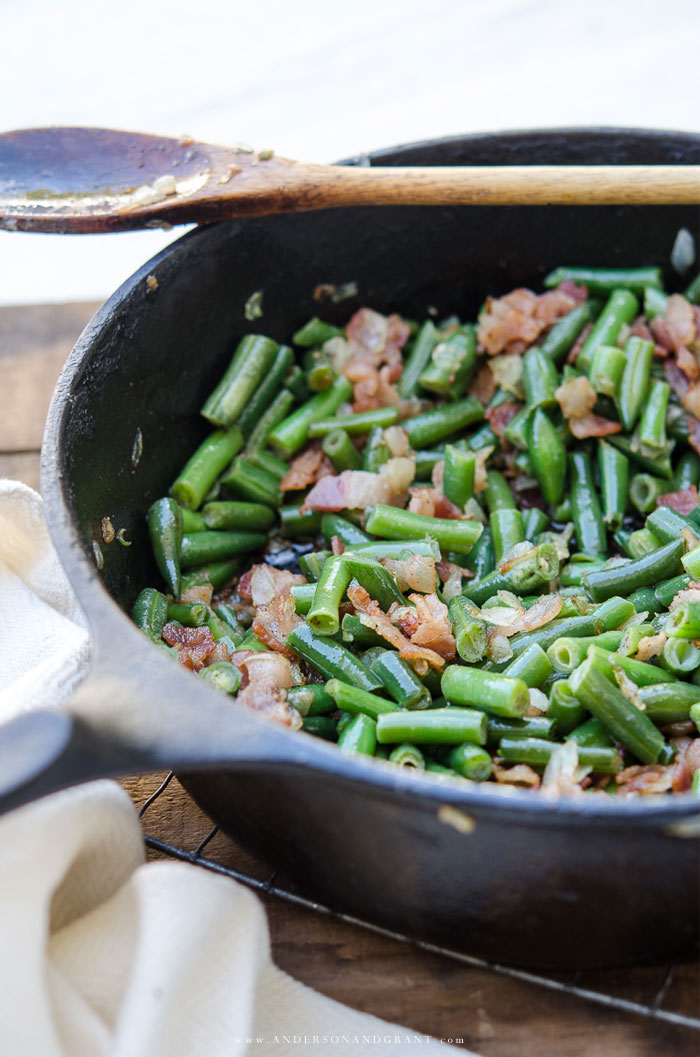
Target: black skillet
x=506, y=875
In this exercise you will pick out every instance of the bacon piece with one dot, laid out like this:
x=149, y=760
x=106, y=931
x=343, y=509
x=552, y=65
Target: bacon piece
x=357, y=489
x=396, y=439
x=685, y=765
x=680, y=321
x=197, y=593
x=373, y=358
x=650, y=646
x=499, y=417
x=423, y=501
x=694, y=433
x=267, y=677
x=675, y=377
x=520, y=774
x=434, y=629
x=577, y=291
x=274, y=622
x=303, y=470
x=511, y=323
x=572, y=355
x=372, y=616
x=540, y=613
x=262, y=583
x=484, y=385
x=691, y=400
x=194, y=645
x=591, y=425
x=337, y=546
x=682, y=502
x=646, y=781
x=660, y=334
x=688, y=364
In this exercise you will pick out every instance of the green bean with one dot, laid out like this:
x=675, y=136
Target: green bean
x=189, y=614
x=294, y=523
x=355, y=699
x=376, y=451
x=652, y=424
x=680, y=656
x=349, y=534
x=641, y=673
x=489, y=691
x=659, y=465
x=150, y=612
x=417, y=360
x=331, y=658
x=393, y=523
x=684, y=621
x=436, y=726
x=535, y=522
x=458, y=484
x=403, y=549
x=621, y=307
x=613, y=468
x=497, y=494
x=407, y=755
x=691, y=563
x=401, y=681
x=655, y=302
x=591, y=733
x=529, y=727
x=353, y=630
x=481, y=560
x=303, y=595
x=667, y=524
x=315, y=332
x=269, y=420
x=606, y=617
x=451, y=364
x=341, y=451
x=433, y=426
x=323, y=616
x=687, y=471
x=192, y=520
x=319, y=370
x=252, y=483
x=165, y=530
x=633, y=635
x=565, y=709
x=623, y=720
x=321, y=727
x=469, y=631
x=198, y=548
x=267, y=392
x=587, y=516
x=359, y=737
x=607, y=368
x=534, y=569
x=251, y=363
x=607, y=280
x=548, y=456
x=223, y=675
x=218, y=574
x=376, y=580
x=657, y=565
x=537, y=752
x=362, y=422
x=641, y=542
x=567, y=653
x=692, y=292
x=667, y=590
x=471, y=761
x=533, y=666
x=200, y=471
x=252, y=517
x=507, y=529
x=517, y=431
x=669, y=702
x=290, y=435
x=311, y=700
x=539, y=378
x=645, y=491
x=562, y=337
x=635, y=380
x=265, y=460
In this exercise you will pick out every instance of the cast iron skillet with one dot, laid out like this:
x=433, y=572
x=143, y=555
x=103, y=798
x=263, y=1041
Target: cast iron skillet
x=503, y=874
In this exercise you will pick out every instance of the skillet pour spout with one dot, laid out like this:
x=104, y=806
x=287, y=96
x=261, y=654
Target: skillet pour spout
x=508, y=876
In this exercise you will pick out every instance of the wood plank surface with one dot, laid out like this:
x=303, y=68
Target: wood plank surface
x=494, y=1015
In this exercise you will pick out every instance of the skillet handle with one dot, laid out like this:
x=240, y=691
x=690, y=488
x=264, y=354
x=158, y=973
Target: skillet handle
x=42, y=752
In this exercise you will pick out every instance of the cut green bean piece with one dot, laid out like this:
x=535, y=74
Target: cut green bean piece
x=189, y=614
x=507, y=529
x=223, y=676
x=640, y=672
x=393, y=523
x=606, y=280
x=331, y=658
x=436, y=726
x=354, y=699
x=533, y=666
x=667, y=524
x=267, y=393
x=537, y=752
x=548, y=456
x=659, y=465
x=621, y=307
x=316, y=332
x=348, y=533
x=469, y=630
x=535, y=569
x=607, y=368
x=687, y=471
x=362, y=422
x=401, y=681
x=165, y=530
x=193, y=520
x=251, y=517
x=539, y=378
x=562, y=337
x=294, y=523
x=490, y=691
x=657, y=565
x=417, y=360
x=529, y=727
x=691, y=563
x=252, y=483
x=359, y=737
x=652, y=424
x=321, y=727
x=567, y=653
x=311, y=700
x=433, y=426
x=451, y=364
x=613, y=468
x=150, y=612
x=323, y=616
x=634, y=383
x=680, y=656
x=341, y=451
x=218, y=574
x=669, y=702
x=403, y=549
x=684, y=621
x=407, y=755
x=458, y=482
x=198, y=548
x=471, y=761
x=251, y=363
x=353, y=630
x=565, y=709
x=291, y=434
x=586, y=512
x=303, y=595
x=622, y=719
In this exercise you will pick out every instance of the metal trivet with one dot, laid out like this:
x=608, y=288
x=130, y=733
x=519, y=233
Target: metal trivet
x=653, y=1010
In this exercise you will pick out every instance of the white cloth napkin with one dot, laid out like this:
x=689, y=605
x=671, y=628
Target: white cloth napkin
x=101, y=955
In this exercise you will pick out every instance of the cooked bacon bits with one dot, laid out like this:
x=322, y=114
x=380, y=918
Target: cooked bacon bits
x=483, y=387
x=306, y=469
x=519, y=774
x=373, y=361
x=373, y=616
x=275, y=620
x=433, y=629
x=591, y=425
x=416, y=573
x=683, y=502
x=514, y=322
x=357, y=489
x=577, y=398
x=266, y=678
x=195, y=646
x=647, y=780
x=262, y=583
x=499, y=417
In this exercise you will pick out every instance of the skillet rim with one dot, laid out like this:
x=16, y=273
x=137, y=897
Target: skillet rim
x=97, y=602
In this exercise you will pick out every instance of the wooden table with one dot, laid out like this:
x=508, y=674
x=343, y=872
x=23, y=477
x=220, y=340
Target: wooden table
x=498, y=1016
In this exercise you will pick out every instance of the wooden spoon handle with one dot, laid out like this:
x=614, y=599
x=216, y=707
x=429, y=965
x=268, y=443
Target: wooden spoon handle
x=496, y=185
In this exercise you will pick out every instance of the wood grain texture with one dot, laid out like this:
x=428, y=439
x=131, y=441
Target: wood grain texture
x=494, y=1015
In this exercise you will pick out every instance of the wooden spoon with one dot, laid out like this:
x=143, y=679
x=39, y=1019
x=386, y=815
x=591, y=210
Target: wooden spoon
x=83, y=180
